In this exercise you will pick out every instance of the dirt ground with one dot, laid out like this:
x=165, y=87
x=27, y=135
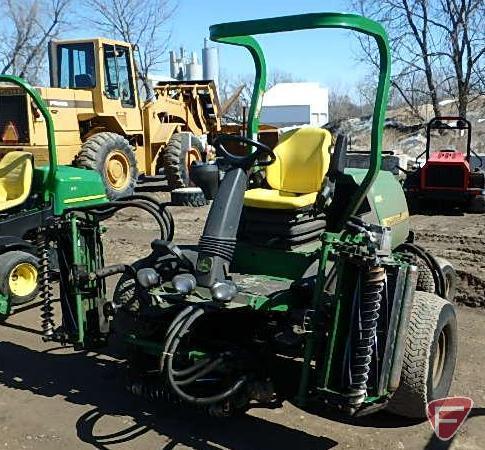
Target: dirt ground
x=55, y=398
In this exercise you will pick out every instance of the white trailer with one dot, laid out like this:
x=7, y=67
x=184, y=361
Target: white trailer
x=290, y=104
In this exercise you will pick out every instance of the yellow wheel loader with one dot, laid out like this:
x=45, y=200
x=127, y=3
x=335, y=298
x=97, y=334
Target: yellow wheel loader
x=102, y=123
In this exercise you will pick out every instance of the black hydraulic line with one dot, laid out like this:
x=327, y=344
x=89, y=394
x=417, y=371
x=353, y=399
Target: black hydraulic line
x=118, y=205
x=208, y=368
x=429, y=259
x=191, y=369
x=160, y=207
x=172, y=347
x=174, y=326
x=145, y=198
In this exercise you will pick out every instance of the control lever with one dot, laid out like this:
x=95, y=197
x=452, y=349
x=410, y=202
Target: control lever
x=167, y=247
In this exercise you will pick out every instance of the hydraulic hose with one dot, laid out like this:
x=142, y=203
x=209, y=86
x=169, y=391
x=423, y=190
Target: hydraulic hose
x=429, y=259
x=173, y=328
x=178, y=329
x=165, y=224
x=207, y=369
x=190, y=370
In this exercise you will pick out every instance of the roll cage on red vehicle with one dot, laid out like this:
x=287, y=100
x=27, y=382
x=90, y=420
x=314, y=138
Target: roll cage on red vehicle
x=449, y=174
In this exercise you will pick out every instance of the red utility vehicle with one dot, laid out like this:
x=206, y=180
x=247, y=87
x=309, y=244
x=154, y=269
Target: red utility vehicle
x=452, y=173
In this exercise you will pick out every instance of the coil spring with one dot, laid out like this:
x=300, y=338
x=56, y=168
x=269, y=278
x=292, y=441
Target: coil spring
x=152, y=390
x=370, y=303
x=45, y=286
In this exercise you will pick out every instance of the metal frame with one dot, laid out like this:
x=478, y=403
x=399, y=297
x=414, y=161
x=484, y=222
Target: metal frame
x=240, y=33
x=51, y=140
x=436, y=120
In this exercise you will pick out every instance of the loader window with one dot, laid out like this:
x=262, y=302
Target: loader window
x=118, y=82
x=75, y=66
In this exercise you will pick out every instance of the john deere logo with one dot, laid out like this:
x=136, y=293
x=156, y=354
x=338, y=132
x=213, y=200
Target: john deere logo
x=204, y=264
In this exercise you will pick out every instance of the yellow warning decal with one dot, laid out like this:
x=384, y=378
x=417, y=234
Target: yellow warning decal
x=395, y=219
x=84, y=199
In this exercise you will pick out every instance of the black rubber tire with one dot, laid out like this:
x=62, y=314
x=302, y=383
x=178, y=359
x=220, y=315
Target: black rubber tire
x=8, y=261
x=174, y=157
x=450, y=277
x=425, y=281
x=188, y=197
x=94, y=153
x=430, y=317
x=477, y=205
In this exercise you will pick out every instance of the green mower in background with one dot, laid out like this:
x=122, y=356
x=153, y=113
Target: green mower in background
x=35, y=204
x=304, y=288
x=30, y=197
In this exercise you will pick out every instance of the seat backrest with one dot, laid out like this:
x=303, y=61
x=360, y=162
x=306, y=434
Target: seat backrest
x=302, y=160
x=16, y=171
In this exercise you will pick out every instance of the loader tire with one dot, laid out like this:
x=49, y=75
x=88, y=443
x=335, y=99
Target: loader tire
x=192, y=196
x=114, y=158
x=19, y=276
x=177, y=159
x=429, y=356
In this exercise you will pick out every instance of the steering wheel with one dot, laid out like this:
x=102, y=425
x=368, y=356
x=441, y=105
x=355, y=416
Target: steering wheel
x=244, y=162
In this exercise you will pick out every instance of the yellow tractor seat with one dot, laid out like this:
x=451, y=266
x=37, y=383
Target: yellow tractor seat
x=302, y=160
x=16, y=170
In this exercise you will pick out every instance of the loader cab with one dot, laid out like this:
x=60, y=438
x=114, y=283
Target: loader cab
x=105, y=68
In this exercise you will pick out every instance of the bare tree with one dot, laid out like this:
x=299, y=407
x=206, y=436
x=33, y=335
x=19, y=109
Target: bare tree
x=341, y=106
x=27, y=26
x=280, y=76
x=464, y=31
x=438, y=48
x=143, y=23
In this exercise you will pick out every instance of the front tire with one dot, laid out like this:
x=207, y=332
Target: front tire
x=113, y=157
x=429, y=356
x=19, y=276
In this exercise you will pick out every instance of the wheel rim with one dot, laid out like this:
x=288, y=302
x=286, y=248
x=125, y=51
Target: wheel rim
x=22, y=280
x=117, y=168
x=439, y=359
x=447, y=286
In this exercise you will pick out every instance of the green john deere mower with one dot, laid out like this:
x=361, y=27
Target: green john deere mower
x=304, y=287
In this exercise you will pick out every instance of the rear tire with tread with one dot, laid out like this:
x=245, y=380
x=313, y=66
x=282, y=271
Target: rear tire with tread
x=425, y=281
x=175, y=160
x=429, y=356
